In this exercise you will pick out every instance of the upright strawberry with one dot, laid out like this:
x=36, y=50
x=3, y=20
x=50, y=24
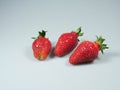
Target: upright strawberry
x=41, y=46
x=87, y=51
x=67, y=42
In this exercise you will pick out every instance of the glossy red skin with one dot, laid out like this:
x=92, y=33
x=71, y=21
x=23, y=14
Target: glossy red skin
x=41, y=48
x=66, y=43
x=86, y=52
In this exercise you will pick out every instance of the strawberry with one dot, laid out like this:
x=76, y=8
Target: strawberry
x=41, y=46
x=87, y=51
x=67, y=42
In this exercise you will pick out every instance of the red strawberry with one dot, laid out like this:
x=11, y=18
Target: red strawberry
x=87, y=51
x=41, y=46
x=67, y=42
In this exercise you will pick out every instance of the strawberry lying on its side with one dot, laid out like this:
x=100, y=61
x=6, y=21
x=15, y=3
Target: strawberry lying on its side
x=41, y=46
x=87, y=51
x=67, y=42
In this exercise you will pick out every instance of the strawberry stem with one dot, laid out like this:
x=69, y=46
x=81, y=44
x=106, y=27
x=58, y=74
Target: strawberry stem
x=41, y=34
x=78, y=31
x=100, y=41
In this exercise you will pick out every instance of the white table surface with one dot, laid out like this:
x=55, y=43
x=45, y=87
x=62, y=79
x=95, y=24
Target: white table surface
x=22, y=19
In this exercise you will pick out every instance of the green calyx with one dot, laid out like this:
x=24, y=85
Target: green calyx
x=100, y=41
x=41, y=34
x=78, y=31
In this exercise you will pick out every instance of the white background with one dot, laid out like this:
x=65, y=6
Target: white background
x=22, y=19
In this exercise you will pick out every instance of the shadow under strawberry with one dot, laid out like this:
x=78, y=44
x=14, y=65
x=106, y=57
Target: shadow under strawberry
x=52, y=53
x=84, y=63
x=107, y=57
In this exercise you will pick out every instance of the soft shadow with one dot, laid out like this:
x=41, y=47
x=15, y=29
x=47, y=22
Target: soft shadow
x=107, y=57
x=52, y=55
x=80, y=64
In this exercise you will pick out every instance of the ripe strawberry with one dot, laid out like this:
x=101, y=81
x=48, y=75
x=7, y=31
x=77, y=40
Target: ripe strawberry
x=67, y=42
x=41, y=46
x=87, y=51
